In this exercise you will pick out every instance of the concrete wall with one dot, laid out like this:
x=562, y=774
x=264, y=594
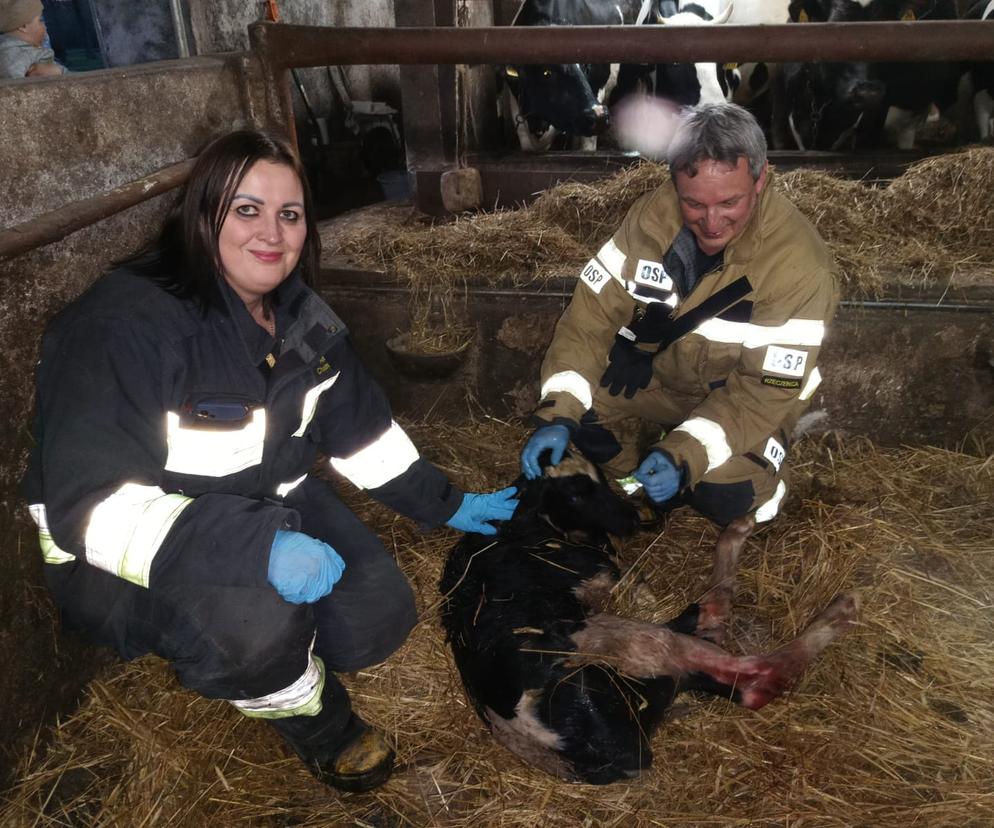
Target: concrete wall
x=67, y=139
x=130, y=35
x=222, y=26
x=897, y=377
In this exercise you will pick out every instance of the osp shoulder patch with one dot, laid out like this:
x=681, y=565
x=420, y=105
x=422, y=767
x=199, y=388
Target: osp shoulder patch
x=652, y=274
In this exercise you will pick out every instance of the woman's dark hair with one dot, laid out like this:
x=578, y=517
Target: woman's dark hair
x=185, y=259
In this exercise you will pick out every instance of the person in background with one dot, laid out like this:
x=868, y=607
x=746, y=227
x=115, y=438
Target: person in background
x=690, y=347
x=22, y=35
x=182, y=403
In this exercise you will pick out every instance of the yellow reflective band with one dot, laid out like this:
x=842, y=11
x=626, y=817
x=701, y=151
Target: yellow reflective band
x=793, y=332
x=49, y=551
x=388, y=456
x=311, y=404
x=126, y=529
x=213, y=452
x=710, y=435
x=302, y=698
x=569, y=382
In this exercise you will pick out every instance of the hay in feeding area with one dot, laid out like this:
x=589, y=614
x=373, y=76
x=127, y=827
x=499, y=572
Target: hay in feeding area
x=892, y=726
x=931, y=226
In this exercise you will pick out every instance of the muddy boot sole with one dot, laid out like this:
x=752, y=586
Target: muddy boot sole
x=362, y=765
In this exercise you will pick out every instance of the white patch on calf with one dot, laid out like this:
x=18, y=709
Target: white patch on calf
x=527, y=737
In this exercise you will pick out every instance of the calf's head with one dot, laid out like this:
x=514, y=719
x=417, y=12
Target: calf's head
x=574, y=498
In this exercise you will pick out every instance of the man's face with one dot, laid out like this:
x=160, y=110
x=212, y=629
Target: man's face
x=717, y=202
x=33, y=32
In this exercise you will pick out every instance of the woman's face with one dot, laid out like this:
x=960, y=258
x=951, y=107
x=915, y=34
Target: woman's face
x=264, y=230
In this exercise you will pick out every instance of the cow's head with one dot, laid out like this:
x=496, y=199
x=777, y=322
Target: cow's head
x=688, y=84
x=561, y=96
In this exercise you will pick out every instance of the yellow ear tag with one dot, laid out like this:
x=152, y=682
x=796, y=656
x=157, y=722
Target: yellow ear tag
x=909, y=16
x=803, y=17
x=731, y=66
x=511, y=72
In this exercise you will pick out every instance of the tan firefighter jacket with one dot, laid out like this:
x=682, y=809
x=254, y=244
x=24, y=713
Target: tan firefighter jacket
x=740, y=375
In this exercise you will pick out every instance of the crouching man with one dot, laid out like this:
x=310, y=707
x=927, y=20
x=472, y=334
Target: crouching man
x=690, y=346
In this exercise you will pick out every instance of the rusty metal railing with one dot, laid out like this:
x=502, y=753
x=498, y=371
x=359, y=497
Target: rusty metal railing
x=281, y=47
x=57, y=224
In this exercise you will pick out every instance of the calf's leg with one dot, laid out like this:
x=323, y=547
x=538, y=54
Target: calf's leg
x=715, y=606
x=643, y=650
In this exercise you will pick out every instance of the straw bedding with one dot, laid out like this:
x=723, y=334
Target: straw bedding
x=893, y=726
x=931, y=226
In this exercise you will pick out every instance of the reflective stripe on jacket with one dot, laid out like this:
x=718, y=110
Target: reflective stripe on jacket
x=738, y=376
x=130, y=471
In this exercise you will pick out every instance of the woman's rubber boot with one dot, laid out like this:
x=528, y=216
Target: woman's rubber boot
x=362, y=760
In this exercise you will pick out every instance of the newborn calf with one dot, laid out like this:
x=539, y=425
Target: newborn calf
x=573, y=690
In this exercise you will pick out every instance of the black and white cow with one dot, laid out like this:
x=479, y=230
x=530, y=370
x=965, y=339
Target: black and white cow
x=845, y=105
x=546, y=101
x=982, y=77
x=688, y=84
x=832, y=106
x=571, y=689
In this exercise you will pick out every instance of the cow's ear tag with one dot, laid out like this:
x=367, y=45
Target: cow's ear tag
x=803, y=17
x=511, y=72
x=731, y=67
x=909, y=16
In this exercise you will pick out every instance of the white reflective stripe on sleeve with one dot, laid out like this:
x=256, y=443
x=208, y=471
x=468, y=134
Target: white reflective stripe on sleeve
x=792, y=332
x=612, y=258
x=311, y=404
x=814, y=380
x=302, y=698
x=710, y=435
x=569, y=382
x=285, y=488
x=127, y=529
x=388, y=456
x=49, y=551
x=769, y=510
x=214, y=452
x=604, y=267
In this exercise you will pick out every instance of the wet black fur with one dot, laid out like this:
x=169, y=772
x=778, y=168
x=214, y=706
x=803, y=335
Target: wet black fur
x=524, y=580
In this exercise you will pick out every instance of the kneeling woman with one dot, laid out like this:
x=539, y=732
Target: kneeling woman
x=181, y=402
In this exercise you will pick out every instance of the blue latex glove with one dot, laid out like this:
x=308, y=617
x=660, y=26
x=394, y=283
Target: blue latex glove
x=555, y=437
x=659, y=476
x=302, y=568
x=476, y=510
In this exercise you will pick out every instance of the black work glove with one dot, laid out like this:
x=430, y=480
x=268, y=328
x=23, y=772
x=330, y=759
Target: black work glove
x=629, y=368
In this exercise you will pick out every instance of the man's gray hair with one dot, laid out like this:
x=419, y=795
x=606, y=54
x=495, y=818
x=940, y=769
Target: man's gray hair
x=717, y=132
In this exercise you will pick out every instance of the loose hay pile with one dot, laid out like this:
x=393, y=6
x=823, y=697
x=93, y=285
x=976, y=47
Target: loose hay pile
x=933, y=224
x=893, y=726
